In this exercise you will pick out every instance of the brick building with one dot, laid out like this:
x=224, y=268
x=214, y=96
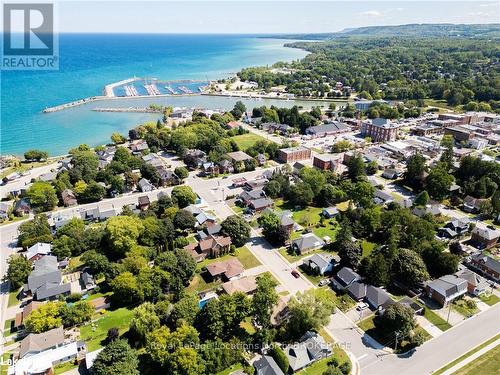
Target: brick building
x=293, y=154
x=379, y=130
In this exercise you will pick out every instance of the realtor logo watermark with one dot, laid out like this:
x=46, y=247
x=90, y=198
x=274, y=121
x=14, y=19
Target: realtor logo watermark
x=30, y=41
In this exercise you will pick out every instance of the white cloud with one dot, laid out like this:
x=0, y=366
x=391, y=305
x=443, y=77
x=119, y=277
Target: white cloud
x=372, y=13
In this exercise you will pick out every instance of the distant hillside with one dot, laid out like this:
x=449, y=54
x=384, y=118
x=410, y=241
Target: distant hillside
x=411, y=30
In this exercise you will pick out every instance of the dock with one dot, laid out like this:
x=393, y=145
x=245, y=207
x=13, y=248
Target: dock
x=109, y=89
x=127, y=109
x=185, y=90
x=72, y=104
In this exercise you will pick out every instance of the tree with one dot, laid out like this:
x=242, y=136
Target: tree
x=76, y=314
x=144, y=320
x=422, y=199
x=237, y=228
x=184, y=220
x=117, y=358
x=62, y=247
x=183, y=196
x=264, y=300
x=438, y=182
x=94, y=192
x=356, y=167
x=85, y=165
x=397, y=318
x=409, y=268
x=362, y=193
x=126, y=289
x=45, y=318
x=447, y=155
x=238, y=110
x=273, y=189
x=181, y=172
x=271, y=229
x=350, y=254
x=18, y=270
x=301, y=194
x=117, y=138
x=439, y=263
x=97, y=263
x=123, y=232
x=184, y=311
x=331, y=195
x=151, y=174
x=377, y=270
x=178, y=263
x=315, y=178
x=280, y=357
x=42, y=196
x=310, y=310
x=341, y=146
x=35, y=155
x=415, y=170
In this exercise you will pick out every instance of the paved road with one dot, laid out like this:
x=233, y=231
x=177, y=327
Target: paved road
x=430, y=357
x=24, y=180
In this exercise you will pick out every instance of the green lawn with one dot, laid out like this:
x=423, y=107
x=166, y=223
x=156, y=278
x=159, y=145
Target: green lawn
x=385, y=338
x=367, y=247
x=94, y=333
x=97, y=295
x=466, y=355
x=248, y=326
x=244, y=255
x=64, y=367
x=7, y=326
x=295, y=257
x=13, y=298
x=488, y=363
x=490, y=299
x=462, y=307
x=199, y=284
x=245, y=141
x=435, y=319
x=231, y=369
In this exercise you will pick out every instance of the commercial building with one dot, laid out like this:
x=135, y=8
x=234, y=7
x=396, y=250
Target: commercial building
x=379, y=130
x=293, y=154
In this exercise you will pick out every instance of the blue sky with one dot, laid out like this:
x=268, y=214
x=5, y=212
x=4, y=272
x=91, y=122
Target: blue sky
x=238, y=16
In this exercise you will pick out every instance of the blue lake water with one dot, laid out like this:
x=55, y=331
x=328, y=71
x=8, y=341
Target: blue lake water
x=90, y=61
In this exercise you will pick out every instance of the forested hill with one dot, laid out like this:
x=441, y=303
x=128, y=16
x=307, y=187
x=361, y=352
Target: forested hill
x=411, y=30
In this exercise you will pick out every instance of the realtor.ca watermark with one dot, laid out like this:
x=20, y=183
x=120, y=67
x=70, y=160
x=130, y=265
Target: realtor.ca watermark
x=30, y=40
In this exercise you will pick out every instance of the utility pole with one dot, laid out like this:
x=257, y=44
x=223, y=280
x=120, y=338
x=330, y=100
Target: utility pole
x=449, y=311
x=397, y=336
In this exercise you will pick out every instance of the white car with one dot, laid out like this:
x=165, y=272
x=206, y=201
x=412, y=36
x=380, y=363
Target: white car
x=362, y=306
x=323, y=282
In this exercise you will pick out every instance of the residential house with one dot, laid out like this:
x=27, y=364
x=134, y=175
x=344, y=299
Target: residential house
x=230, y=269
x=247, y=285
x=261, y=159
x=210, y=168
x=332, y=128
x=38, y=250
x=167, y=177
x=225, y=166
x=139, y=146
x=87, y=280
x=193, y=209
x=36, y=343
x=357, y=290
x=145, y=186
x=286, y=221
x=143, y=203
x=476, y=285
x=258, y=205
x=90, y=214
x=45, y=361
x=330, y=212
x=105, y=214
x=194, y=158
x=248, y=196
x=211, y=246
x=293, y=154
x=45, y=281
x=258, y=183
x=25, y=312
x=68, y=198
x=310, y=348
x=5, y=208
x=205, y=219
x=345, y=277
x=306, y=243
x=390, y=174
x=446, y=289
x=22, y=207
x=472, y=205
x=233, y=125
x=321, y=263
x=410, y=303
x=48, y=177
x=238, y=156
x=378, y=298
x=266, y=365
x=488, y=266
x=382, y=198
x=484, y=237
x=431, y=209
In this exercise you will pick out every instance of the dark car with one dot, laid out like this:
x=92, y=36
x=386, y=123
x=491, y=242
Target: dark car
x=295, y=274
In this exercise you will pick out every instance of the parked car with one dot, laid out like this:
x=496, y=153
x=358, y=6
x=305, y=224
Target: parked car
x=362, y=306
x=295, y=274
x=324, y=282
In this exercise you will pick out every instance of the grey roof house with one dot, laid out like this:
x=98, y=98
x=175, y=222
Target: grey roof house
x=311, y=347
x=323, y=263
x=307, y=242
x=345, y=277
x=266, y=365
x=446, y=288
x=45, y=281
